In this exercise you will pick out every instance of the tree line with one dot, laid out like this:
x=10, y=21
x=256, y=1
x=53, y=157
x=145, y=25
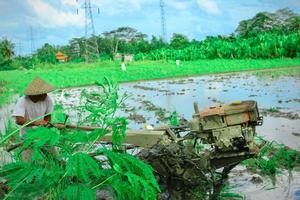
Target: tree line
x=266, y=35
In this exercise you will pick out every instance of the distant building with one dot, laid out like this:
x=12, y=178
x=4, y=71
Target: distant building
x=61, y=57
x=123, y=57
x=118, y=56
x=128, y=58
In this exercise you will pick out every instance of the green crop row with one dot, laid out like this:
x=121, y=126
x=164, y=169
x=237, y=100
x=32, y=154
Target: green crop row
x=264, y=45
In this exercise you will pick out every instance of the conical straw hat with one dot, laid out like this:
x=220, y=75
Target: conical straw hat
x=38, y=86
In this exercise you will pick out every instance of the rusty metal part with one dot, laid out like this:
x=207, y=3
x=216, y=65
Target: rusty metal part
x=143, y=138
x=222, y=159
x=12, y=147
x=196, y=108
x=228, y=127
x=140, y=138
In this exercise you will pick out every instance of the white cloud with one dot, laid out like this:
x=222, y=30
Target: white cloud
x=179, y=5
x=120, y=7
x=72, y=3
x=50, y=17
x=209, y=6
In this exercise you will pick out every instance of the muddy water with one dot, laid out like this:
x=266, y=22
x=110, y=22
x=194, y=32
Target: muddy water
x=282, y=94
x=5, y=115
x=285, y=187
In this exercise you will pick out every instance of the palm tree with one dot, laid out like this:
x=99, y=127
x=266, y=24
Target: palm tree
x=7, y=48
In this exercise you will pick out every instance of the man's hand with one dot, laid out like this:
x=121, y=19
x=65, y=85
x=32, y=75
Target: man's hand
x=40, y=123
x=21, y=121
x=59, y=126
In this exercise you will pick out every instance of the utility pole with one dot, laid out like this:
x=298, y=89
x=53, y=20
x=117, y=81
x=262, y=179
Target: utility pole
x=90, y=39
x=32, y=47
x=163, y=21
x=19, y=47
x=75, y=47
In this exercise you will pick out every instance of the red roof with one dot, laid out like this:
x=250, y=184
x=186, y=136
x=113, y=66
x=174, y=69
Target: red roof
x=61, y=56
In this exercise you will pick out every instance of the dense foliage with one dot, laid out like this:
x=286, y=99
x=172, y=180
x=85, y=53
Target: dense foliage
x=263, y=45
x=6, y=53
x=65, y=164
x=266, y=35
x=281, y=21
x=46, y=54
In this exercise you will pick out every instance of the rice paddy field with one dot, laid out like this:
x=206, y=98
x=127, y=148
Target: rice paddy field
x=274, y=84
x=275, y=90
x=81, y=74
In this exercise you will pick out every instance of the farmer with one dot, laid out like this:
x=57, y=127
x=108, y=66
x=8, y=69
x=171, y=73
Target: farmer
x=36, y=103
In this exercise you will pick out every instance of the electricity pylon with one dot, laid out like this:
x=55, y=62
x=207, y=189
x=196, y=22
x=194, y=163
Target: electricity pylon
x=19, y=47
x=32, y=47
x=90, y=39
x=163, y=21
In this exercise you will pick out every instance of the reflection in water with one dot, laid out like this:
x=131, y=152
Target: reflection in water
x=286, y=187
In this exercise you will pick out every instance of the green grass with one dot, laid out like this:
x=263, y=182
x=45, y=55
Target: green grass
x=272, y=110
x=80, y=74
x=291, y=72
x=273, y=158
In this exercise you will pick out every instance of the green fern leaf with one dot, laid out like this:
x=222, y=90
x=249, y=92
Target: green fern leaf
x=16, y=172
x=97, y=134
x=137, y=177
x=82, y=166
x=40, y=137
x=77, y=137
x=79, y=192
x=118, y=132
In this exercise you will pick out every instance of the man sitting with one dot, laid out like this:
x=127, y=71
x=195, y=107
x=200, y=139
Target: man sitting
x=35, y=104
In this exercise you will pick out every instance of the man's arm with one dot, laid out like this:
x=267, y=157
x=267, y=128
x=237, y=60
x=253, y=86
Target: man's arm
x=47, y=118
x=21, y=121
x=50, y=108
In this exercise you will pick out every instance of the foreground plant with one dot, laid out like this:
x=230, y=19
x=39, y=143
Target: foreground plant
x=273, y=158
x=226, y=194
x=72, y=164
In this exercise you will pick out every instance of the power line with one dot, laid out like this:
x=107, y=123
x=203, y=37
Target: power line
x=19, y=48
x=32, y=47
x=91, y=45
x=163, y=21
x=89, y=21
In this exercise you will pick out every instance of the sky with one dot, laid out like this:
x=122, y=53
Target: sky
x=57, y=21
